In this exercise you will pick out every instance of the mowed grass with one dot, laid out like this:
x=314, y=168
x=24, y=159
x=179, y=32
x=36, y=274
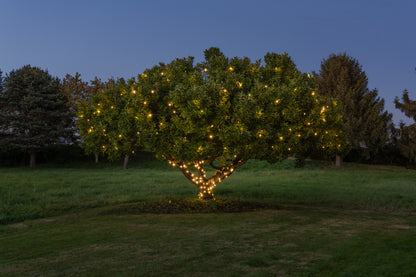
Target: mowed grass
x=355, y=221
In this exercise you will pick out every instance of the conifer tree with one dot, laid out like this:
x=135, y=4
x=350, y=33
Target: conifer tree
x=33, y=112
x=366, y=123
x=407, y=134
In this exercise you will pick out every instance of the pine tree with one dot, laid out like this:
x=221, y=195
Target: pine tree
x=407, y=134
x=33, y=113
x=366, y=123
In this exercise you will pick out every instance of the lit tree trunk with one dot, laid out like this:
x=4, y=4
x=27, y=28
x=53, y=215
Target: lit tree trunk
x=96, y=158
x=32, y=159
x=206, y=185
x=338, y=161
x=126, y=162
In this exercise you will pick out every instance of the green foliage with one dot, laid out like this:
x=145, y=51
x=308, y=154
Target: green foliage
x=366, y=123
x=222, y=112
x=106, y=122
x=33, y=113
x=407, y=134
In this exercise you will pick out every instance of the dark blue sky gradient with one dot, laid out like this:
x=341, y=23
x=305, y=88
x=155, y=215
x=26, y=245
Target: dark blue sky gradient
x=122, y=38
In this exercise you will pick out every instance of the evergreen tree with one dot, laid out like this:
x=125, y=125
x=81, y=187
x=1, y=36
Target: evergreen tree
x=407, y=134
x=366, y=123
x=33, y=112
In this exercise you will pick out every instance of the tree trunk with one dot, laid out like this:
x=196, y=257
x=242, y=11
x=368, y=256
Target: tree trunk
x=32, y=159
x=338, y=161
x=96, y=158
x=204, y=194
x=126, y=162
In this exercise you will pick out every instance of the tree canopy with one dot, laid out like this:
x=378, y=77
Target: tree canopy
x=366, y=123
x=223, y=111
x=33, y=112
x=106, y=124
x=407, y=134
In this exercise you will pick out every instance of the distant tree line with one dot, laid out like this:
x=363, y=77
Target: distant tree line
x=39, y=112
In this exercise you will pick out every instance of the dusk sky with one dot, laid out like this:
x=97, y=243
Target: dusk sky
x=122, y=38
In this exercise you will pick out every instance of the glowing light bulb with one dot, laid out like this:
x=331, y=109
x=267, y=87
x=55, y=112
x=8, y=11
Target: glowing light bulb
x=211, y=136
x=152, y=91
x=149, y=115
x=205, y=69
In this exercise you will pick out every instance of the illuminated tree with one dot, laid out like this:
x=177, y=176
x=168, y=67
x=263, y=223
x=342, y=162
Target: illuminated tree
x=107, y=125
x=221, y=112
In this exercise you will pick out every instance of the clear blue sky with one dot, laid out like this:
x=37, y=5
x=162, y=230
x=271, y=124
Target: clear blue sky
x=122, y=38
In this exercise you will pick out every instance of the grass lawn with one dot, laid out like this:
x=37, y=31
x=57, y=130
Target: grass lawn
x=355, y=221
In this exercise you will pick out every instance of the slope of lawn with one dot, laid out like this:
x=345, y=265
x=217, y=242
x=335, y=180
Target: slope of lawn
x=355, y=221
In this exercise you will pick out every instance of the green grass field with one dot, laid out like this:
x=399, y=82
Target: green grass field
x=355, y=221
